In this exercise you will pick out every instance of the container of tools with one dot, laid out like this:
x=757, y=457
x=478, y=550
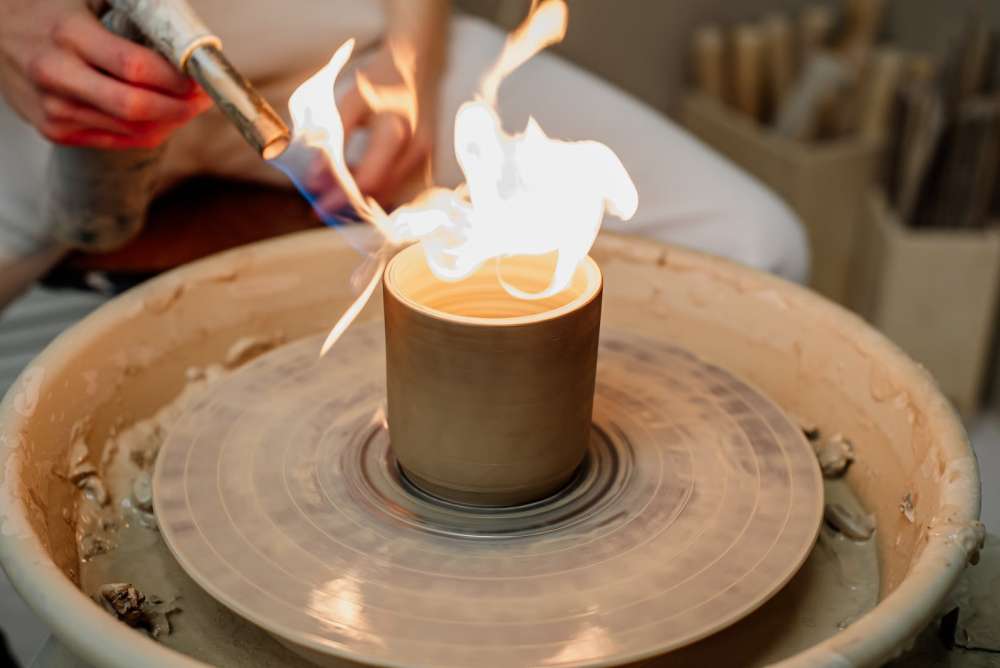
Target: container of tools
x=803, y=103
x=933, y=291
x=824, y=185
x=928, y=256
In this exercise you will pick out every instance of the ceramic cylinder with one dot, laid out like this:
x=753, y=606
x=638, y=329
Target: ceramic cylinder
x=489, y=396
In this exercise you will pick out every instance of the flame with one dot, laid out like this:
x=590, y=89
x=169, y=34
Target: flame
x=545, y=26
x=398, y=99
x=316, y=124
x=376, y=265
x=525, y=193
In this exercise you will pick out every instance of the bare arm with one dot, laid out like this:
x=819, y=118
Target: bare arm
x=394, y=151
x=424, y=24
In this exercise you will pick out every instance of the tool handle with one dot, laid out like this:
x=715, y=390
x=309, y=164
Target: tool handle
x=823, y=78
x=709, y=51
x=815, y=26
x=748, y=52
x=884, y=76
x=780, y=57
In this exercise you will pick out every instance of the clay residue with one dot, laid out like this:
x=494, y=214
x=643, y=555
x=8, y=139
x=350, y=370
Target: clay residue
x=131, y=606
x=176, y=611
x=856, y=526
x=94, y=520
x=249, y=347
x=164, y=298
x=834, y=455
x=127, y=520
x=882, y=387
x=970, y=536
x=810, y=430
x=907, y=506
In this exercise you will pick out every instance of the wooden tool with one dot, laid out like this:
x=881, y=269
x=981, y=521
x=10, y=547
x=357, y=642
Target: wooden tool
x=815, y=27
x=920, y=68
x=708, y=49
x=979, y=131
x=748, y=52
x=923, y=114
x=880, y=86
x=959, y=190
x=964, y=64
x=864, y=21
x=974, y=68
x=779, y=57
x=824, y=77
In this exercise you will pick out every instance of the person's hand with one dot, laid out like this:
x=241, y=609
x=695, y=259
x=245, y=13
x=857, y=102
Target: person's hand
x=395, y=151
x=78, y=83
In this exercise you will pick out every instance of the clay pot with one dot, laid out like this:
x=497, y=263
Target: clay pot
x=489, y=396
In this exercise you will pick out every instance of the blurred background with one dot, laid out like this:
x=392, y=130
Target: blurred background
x=878, y=122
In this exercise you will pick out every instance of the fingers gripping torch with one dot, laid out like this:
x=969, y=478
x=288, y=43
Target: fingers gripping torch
x=98, y=199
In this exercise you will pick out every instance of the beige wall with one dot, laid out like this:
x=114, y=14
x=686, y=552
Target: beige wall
x=930, y=24
x=641, y=45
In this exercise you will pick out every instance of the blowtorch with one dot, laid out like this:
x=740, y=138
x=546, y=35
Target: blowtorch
x=98, y=198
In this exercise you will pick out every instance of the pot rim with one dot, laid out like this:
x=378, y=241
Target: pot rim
x=595, y=285
x=70, y=613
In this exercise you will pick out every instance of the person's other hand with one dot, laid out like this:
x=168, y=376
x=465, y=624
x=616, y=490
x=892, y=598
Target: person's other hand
x=78, y=83
x=394, y=152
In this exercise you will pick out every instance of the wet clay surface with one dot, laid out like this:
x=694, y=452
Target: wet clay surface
x=201, y=627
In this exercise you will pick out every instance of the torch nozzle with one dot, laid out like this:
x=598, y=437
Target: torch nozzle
x=256, y=120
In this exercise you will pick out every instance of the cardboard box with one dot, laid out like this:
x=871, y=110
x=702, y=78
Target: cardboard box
x=932, y=291
x=825, y=183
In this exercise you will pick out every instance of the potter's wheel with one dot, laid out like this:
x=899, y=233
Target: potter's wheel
x=277, y=493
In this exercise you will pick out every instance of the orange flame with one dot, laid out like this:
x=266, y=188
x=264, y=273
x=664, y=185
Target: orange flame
x=317, y=125
x=545, y=26
x=400, y=99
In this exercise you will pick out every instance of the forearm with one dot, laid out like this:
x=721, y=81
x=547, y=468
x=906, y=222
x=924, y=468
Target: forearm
x=422, y=24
